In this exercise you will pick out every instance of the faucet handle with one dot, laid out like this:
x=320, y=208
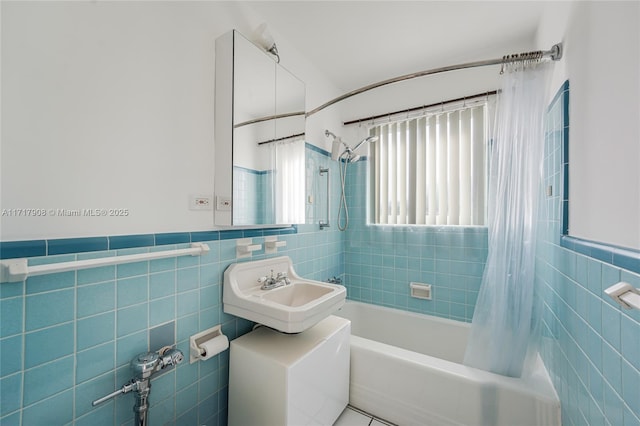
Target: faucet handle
x=282, y=276
x=170, y=356
x=126, y=388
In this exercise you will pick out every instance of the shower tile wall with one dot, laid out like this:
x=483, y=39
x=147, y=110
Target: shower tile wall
x=67, y=338
x=381, y=261
x=245, y=191
x=591, y=346
x=252, y=195
x=332, y=251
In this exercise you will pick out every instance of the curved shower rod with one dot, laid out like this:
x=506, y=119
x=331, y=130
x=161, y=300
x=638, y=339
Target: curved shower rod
x=555, y=53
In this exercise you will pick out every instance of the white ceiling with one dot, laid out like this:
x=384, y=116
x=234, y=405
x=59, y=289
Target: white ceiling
x=355, y=43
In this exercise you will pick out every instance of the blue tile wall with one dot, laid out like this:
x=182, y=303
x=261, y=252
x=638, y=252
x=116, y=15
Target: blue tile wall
x=265, y=188
x=246, y=196
x=253, y=196
x=92, y=322
x=381, y=261
x=590, y=345
x=316, y=206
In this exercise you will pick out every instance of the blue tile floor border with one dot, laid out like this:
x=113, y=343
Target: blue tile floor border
x=317, y=149
x=15, y=249
x=130, y=241
x=230, y=235
x=173, y=238
x=199, y=236
x=75, y=245
x=621, y=257
x=36, y=248
x=251, y=171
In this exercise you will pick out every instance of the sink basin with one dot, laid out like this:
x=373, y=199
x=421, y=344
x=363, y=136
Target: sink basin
x=296, y=294
x=291, y=308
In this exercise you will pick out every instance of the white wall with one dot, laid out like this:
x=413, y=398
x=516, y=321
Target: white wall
x=110, y=105
x=601, y=62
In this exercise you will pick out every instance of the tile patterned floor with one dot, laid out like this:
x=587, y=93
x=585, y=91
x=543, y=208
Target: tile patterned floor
x=351, y=416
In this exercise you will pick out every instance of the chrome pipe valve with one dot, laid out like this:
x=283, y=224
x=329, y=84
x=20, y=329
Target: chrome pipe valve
x=143, y=366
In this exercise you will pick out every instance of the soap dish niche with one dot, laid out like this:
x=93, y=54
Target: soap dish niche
x=420, y=290
x=271, y=244
x=245, y=247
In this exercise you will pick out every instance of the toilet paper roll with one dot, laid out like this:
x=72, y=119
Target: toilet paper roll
x=213, y=347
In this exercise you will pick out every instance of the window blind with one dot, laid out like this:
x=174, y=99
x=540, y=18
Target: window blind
x=430, y=170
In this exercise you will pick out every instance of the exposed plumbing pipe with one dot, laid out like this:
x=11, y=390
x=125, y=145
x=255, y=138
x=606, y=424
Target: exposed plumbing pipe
x=143, y=366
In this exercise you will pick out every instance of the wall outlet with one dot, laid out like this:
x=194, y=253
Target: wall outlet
x=200, y=202
x=223, y=203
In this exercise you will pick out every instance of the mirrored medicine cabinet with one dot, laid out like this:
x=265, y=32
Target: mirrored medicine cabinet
x=259, y=106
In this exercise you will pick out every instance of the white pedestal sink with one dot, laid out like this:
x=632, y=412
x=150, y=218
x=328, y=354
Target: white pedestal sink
x=291, y=308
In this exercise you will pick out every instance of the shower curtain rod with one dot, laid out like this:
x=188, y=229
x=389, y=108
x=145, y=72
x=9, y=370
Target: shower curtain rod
x=555, y=53
x=267, y=118
x=420, y=108
x=284, y=138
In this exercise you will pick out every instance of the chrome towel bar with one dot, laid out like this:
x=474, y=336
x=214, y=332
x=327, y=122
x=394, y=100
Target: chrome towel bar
x=325, y=224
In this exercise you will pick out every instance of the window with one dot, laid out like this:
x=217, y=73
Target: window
x=430, y=170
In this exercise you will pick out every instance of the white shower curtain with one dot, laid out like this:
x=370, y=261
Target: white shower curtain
x=289, y=181
x=504, y=329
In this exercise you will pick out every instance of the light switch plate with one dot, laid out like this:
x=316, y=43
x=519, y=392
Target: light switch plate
x=200, y=202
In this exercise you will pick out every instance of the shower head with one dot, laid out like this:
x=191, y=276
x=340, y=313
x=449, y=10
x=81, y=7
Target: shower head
x=367, y=139
x=348, y=154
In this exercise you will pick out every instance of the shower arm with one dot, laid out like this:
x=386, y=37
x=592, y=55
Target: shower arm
x=367, y=139
x=328, y=133
x=555, y=54
x=348, y=149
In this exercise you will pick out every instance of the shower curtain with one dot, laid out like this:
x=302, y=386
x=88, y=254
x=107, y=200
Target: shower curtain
x=504, y=330
x=289, y=181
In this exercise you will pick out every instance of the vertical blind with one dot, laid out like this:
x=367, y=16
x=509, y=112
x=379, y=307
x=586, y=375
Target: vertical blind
x=430, y=170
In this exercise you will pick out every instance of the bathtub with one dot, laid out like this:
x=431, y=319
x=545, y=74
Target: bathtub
x=407, y=368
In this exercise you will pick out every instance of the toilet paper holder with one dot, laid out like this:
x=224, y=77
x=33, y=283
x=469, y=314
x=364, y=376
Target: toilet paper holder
x=207, y=344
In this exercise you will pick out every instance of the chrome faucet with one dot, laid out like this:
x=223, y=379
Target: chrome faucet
x=143, y=366
x=272, y=282
x=334, y=280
